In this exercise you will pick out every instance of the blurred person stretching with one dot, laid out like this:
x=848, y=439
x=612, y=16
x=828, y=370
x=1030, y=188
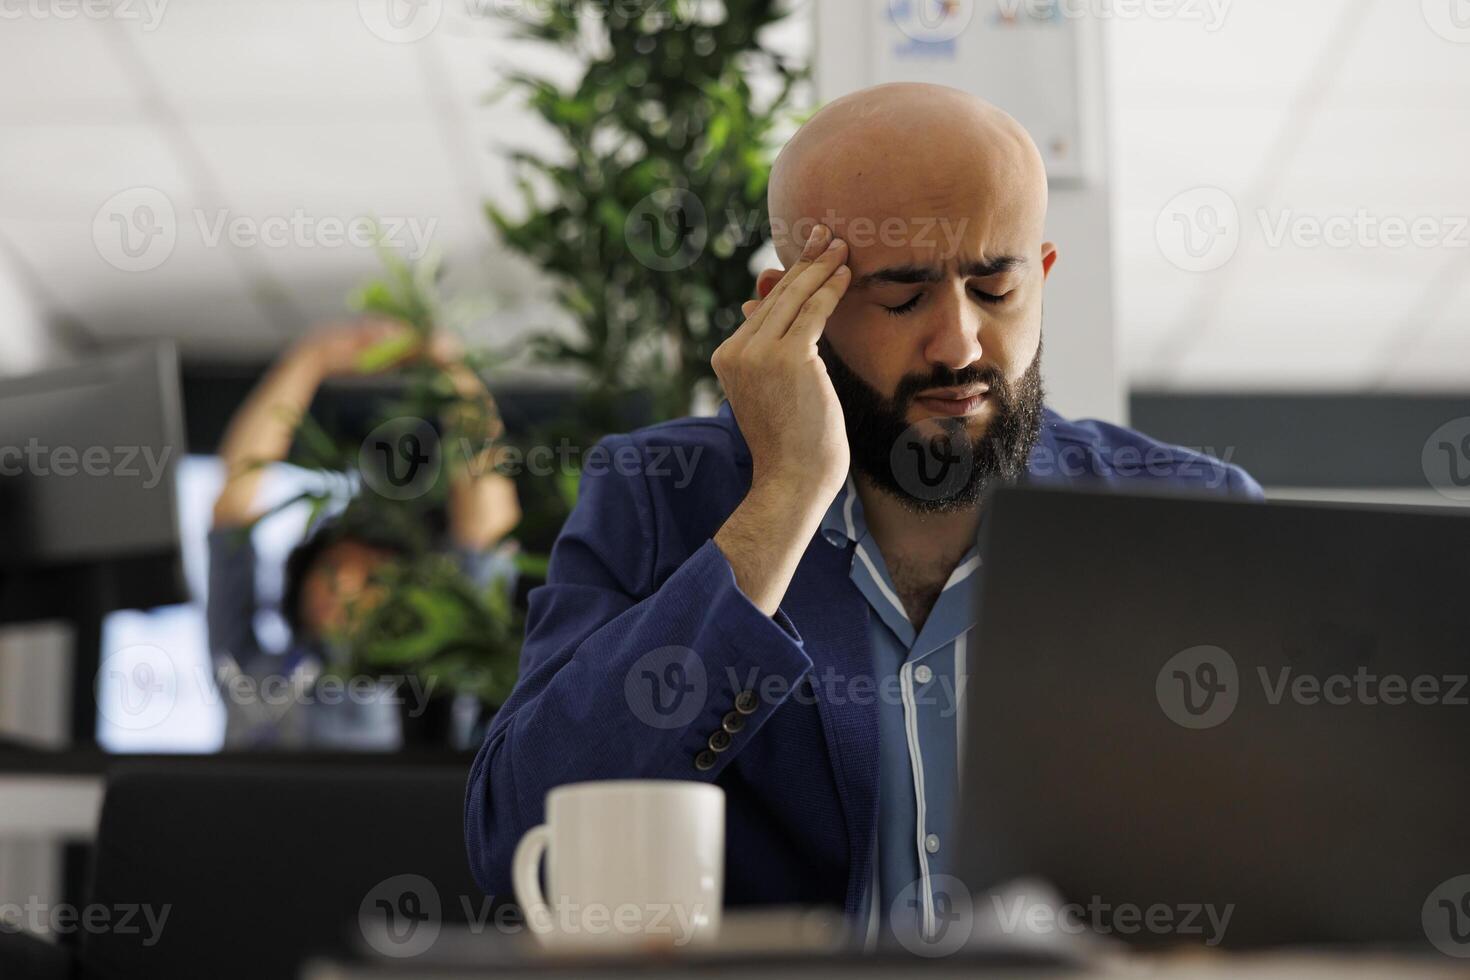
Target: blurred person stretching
x=330, y=575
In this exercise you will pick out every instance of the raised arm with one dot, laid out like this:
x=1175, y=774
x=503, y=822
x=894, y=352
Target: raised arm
x=483, y=504
x=261, y=431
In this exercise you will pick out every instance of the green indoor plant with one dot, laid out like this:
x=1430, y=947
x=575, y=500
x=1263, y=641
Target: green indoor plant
x=427, y=619
x=649, y=215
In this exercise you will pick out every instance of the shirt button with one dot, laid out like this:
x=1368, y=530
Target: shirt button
x=746, y=703
x=733, y=722
x=931, y=843
x=923, y=674
x=705, y=761
x=719, y=741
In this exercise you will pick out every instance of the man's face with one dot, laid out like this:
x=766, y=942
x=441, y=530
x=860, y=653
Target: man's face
x=938, y=343
x=942, y=201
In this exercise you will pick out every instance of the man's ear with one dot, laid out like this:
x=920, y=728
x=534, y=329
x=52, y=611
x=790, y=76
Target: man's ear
x=1048, y=258
x=767, y=281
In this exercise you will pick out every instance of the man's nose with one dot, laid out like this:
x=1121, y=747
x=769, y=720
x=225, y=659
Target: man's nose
x=955, y=340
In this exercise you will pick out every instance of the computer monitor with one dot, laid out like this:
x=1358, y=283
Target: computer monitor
x=88, y=515
x=1216, y=722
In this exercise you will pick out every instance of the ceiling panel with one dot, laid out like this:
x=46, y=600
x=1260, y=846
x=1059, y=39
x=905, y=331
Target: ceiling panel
x=70, y=171
x=41, y=62
x=270, y=59
x=193, y=291
x=340, y=168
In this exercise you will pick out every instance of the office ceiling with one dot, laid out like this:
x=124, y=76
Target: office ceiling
x=1306, y=110
x=286, y=119
x=267, y=112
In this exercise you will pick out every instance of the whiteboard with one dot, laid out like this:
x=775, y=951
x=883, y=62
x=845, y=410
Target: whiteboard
x=1026, y=56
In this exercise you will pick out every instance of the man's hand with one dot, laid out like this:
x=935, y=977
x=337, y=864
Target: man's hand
x=777, y=384
x=791, y=419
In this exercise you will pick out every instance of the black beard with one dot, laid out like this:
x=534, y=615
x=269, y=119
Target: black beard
x=944, y=471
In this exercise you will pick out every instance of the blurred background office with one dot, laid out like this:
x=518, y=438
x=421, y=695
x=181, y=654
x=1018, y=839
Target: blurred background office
x=1261, y=207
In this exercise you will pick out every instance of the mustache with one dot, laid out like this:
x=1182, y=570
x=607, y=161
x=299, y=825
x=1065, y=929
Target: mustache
x=940, y=376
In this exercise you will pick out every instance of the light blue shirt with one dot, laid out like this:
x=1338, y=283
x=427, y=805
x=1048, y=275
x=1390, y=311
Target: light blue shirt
x=920, y=679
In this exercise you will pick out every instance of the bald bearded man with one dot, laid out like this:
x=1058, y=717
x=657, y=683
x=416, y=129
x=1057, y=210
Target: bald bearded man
x=792, y=622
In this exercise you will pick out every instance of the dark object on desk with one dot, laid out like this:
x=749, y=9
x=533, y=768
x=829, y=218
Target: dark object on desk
x=262, y=867
x=1212, y=722
x=87, y=503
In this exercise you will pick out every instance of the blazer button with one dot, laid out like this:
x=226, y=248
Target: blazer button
x=746, y=703
x=719, y=741
x=733, y=722
x=705, y=761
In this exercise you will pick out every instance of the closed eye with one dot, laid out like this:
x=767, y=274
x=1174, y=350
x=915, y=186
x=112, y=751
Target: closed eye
x=904, y=309
x=985, y=297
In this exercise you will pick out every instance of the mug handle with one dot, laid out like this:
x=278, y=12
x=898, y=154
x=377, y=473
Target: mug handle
x=525, y=872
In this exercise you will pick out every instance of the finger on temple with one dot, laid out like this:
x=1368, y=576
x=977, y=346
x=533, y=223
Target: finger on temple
x=786, y=308
x=811, y=321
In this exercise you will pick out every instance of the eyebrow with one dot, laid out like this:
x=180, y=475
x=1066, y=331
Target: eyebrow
x=908, y=275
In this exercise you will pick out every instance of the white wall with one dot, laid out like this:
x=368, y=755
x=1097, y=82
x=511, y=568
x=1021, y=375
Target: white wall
x=25, y=344
x=1082, y=357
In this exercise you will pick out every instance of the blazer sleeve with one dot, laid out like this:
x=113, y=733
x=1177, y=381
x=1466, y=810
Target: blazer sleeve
x=622, y=677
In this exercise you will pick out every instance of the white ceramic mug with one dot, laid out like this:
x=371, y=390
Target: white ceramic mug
x=629, y=864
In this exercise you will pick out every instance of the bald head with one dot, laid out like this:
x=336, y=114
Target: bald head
x=907, y=153
x=939, y=199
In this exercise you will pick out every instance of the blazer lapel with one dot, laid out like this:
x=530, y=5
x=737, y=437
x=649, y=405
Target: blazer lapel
x=832, y=616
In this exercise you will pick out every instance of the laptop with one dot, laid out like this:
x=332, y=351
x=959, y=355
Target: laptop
x=1222, y=723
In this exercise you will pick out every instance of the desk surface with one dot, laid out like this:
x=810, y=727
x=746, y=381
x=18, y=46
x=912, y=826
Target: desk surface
x=17, y=759
x=1366, y=966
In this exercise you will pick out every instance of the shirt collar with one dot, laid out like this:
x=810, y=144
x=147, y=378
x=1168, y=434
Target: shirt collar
x=843, y=523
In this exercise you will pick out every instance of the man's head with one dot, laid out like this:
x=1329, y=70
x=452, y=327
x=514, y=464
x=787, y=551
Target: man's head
x=942, y=200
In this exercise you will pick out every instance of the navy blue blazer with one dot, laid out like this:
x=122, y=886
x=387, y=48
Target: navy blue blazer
x=640, y=648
